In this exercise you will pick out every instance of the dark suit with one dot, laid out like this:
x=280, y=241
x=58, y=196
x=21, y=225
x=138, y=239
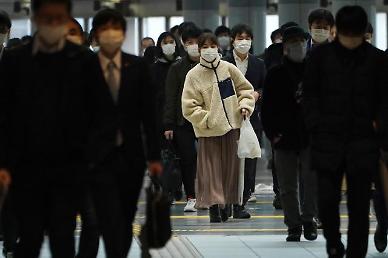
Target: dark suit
x=118, y=171
x=43, y=129
x=255, y=75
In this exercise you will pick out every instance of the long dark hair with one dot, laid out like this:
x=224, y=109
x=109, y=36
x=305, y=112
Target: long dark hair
x=159, y=44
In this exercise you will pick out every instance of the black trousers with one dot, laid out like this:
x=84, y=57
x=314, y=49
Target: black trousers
x=46, y=204
x=185, y=142
x=275, y=188
x=9, y=225
x=379, y=204
x=359, y=170
x=90, y=235
x=116, y=188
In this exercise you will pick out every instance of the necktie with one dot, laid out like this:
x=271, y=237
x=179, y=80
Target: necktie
x=114, y=89
x=112, y=81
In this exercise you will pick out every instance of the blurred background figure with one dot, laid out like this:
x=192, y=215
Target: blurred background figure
x=146, y=43
x=223, y=35
x=5, y=29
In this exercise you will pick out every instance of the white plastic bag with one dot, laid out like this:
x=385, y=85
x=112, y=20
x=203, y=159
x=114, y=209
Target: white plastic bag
x=248, y=145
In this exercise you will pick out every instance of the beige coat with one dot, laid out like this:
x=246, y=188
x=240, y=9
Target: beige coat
x=203, y=105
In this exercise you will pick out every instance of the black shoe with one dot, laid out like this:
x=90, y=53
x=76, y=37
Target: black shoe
x=294, y=234
x=277, y=204
x=239, y=212
x=310, y=231
x=214, y=213
x=380, y=239
x=225, y=213
x=336, y=252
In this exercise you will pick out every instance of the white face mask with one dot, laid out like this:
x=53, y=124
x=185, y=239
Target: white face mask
x=243, y=46
x=193, y=50
x=111, y=40
x=209, y=54
x=51, y=35
x=224, y=42
x=74, y=39
x=168, y=49
x=296, y=52
x=3, y=39
x=277, y=41
x=320, y=35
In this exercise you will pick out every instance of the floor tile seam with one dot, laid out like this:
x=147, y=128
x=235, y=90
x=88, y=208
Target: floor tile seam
x=250, y=248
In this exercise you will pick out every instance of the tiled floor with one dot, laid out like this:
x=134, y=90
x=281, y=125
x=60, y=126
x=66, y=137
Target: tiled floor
x=262, y=236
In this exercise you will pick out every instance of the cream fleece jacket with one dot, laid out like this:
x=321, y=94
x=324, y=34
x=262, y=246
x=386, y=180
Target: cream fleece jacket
x=213, y=97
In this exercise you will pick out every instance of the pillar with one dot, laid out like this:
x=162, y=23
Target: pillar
x=204, y=13
x=253, y=13
x=296, y=11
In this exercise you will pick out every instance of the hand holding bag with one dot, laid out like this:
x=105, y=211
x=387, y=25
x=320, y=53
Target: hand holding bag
x=248, y=145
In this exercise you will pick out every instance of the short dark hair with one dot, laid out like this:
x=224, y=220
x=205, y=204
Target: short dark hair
x=148, y=38
x=174, y=29
x=37, y=4
x=192, y=32
x=205, y=37
x=321, y=15
x=369, y=28
x=240, y=29
x=222, y=29
x=4, y=19
x=274, y=33
x=206, y=30
x=185, y=26
x=109, y=15
x=73, y=20
x=351, y=20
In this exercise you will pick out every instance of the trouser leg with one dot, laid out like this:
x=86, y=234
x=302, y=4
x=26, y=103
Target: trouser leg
x=286, y=164
x=308, y=176
x=10, y=225
x=185, y=141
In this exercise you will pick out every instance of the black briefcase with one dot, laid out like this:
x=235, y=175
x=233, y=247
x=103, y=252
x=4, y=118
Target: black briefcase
x=156, y=231
x=171, y=178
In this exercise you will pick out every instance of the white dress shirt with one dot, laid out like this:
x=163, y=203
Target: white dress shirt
x=242, y=65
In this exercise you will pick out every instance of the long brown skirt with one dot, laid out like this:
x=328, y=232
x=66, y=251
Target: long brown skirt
x=218, y=171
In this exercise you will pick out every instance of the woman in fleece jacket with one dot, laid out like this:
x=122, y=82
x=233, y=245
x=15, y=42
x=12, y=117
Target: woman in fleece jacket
x=215, y=98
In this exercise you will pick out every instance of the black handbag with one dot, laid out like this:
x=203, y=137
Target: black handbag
x=171, y=178
x=156, y=231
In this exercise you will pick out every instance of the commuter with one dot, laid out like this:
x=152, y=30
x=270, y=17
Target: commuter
x=43, y=130
x=321, y=22
x=146, y=43
x=343, y=94
x=176, y=127
x=254, y=71
x=167, y=55
x=273, y=55
x=276, y=36
x=90, y=238
x=284, y=125
x=223, y=35
x=182, y=28
x=75, y=32
x=124, y=96
x=5, y=29
x=369, y=34
x=216, y=112
x=9, y=225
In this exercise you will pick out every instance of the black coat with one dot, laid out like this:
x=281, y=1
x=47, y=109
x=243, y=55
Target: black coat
x=159, y=71
x=44, y=110
x=255, y=74
x=273, y=55
x=345, y=91
x=282, y=111
x=134, y=111
x=176, y=76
